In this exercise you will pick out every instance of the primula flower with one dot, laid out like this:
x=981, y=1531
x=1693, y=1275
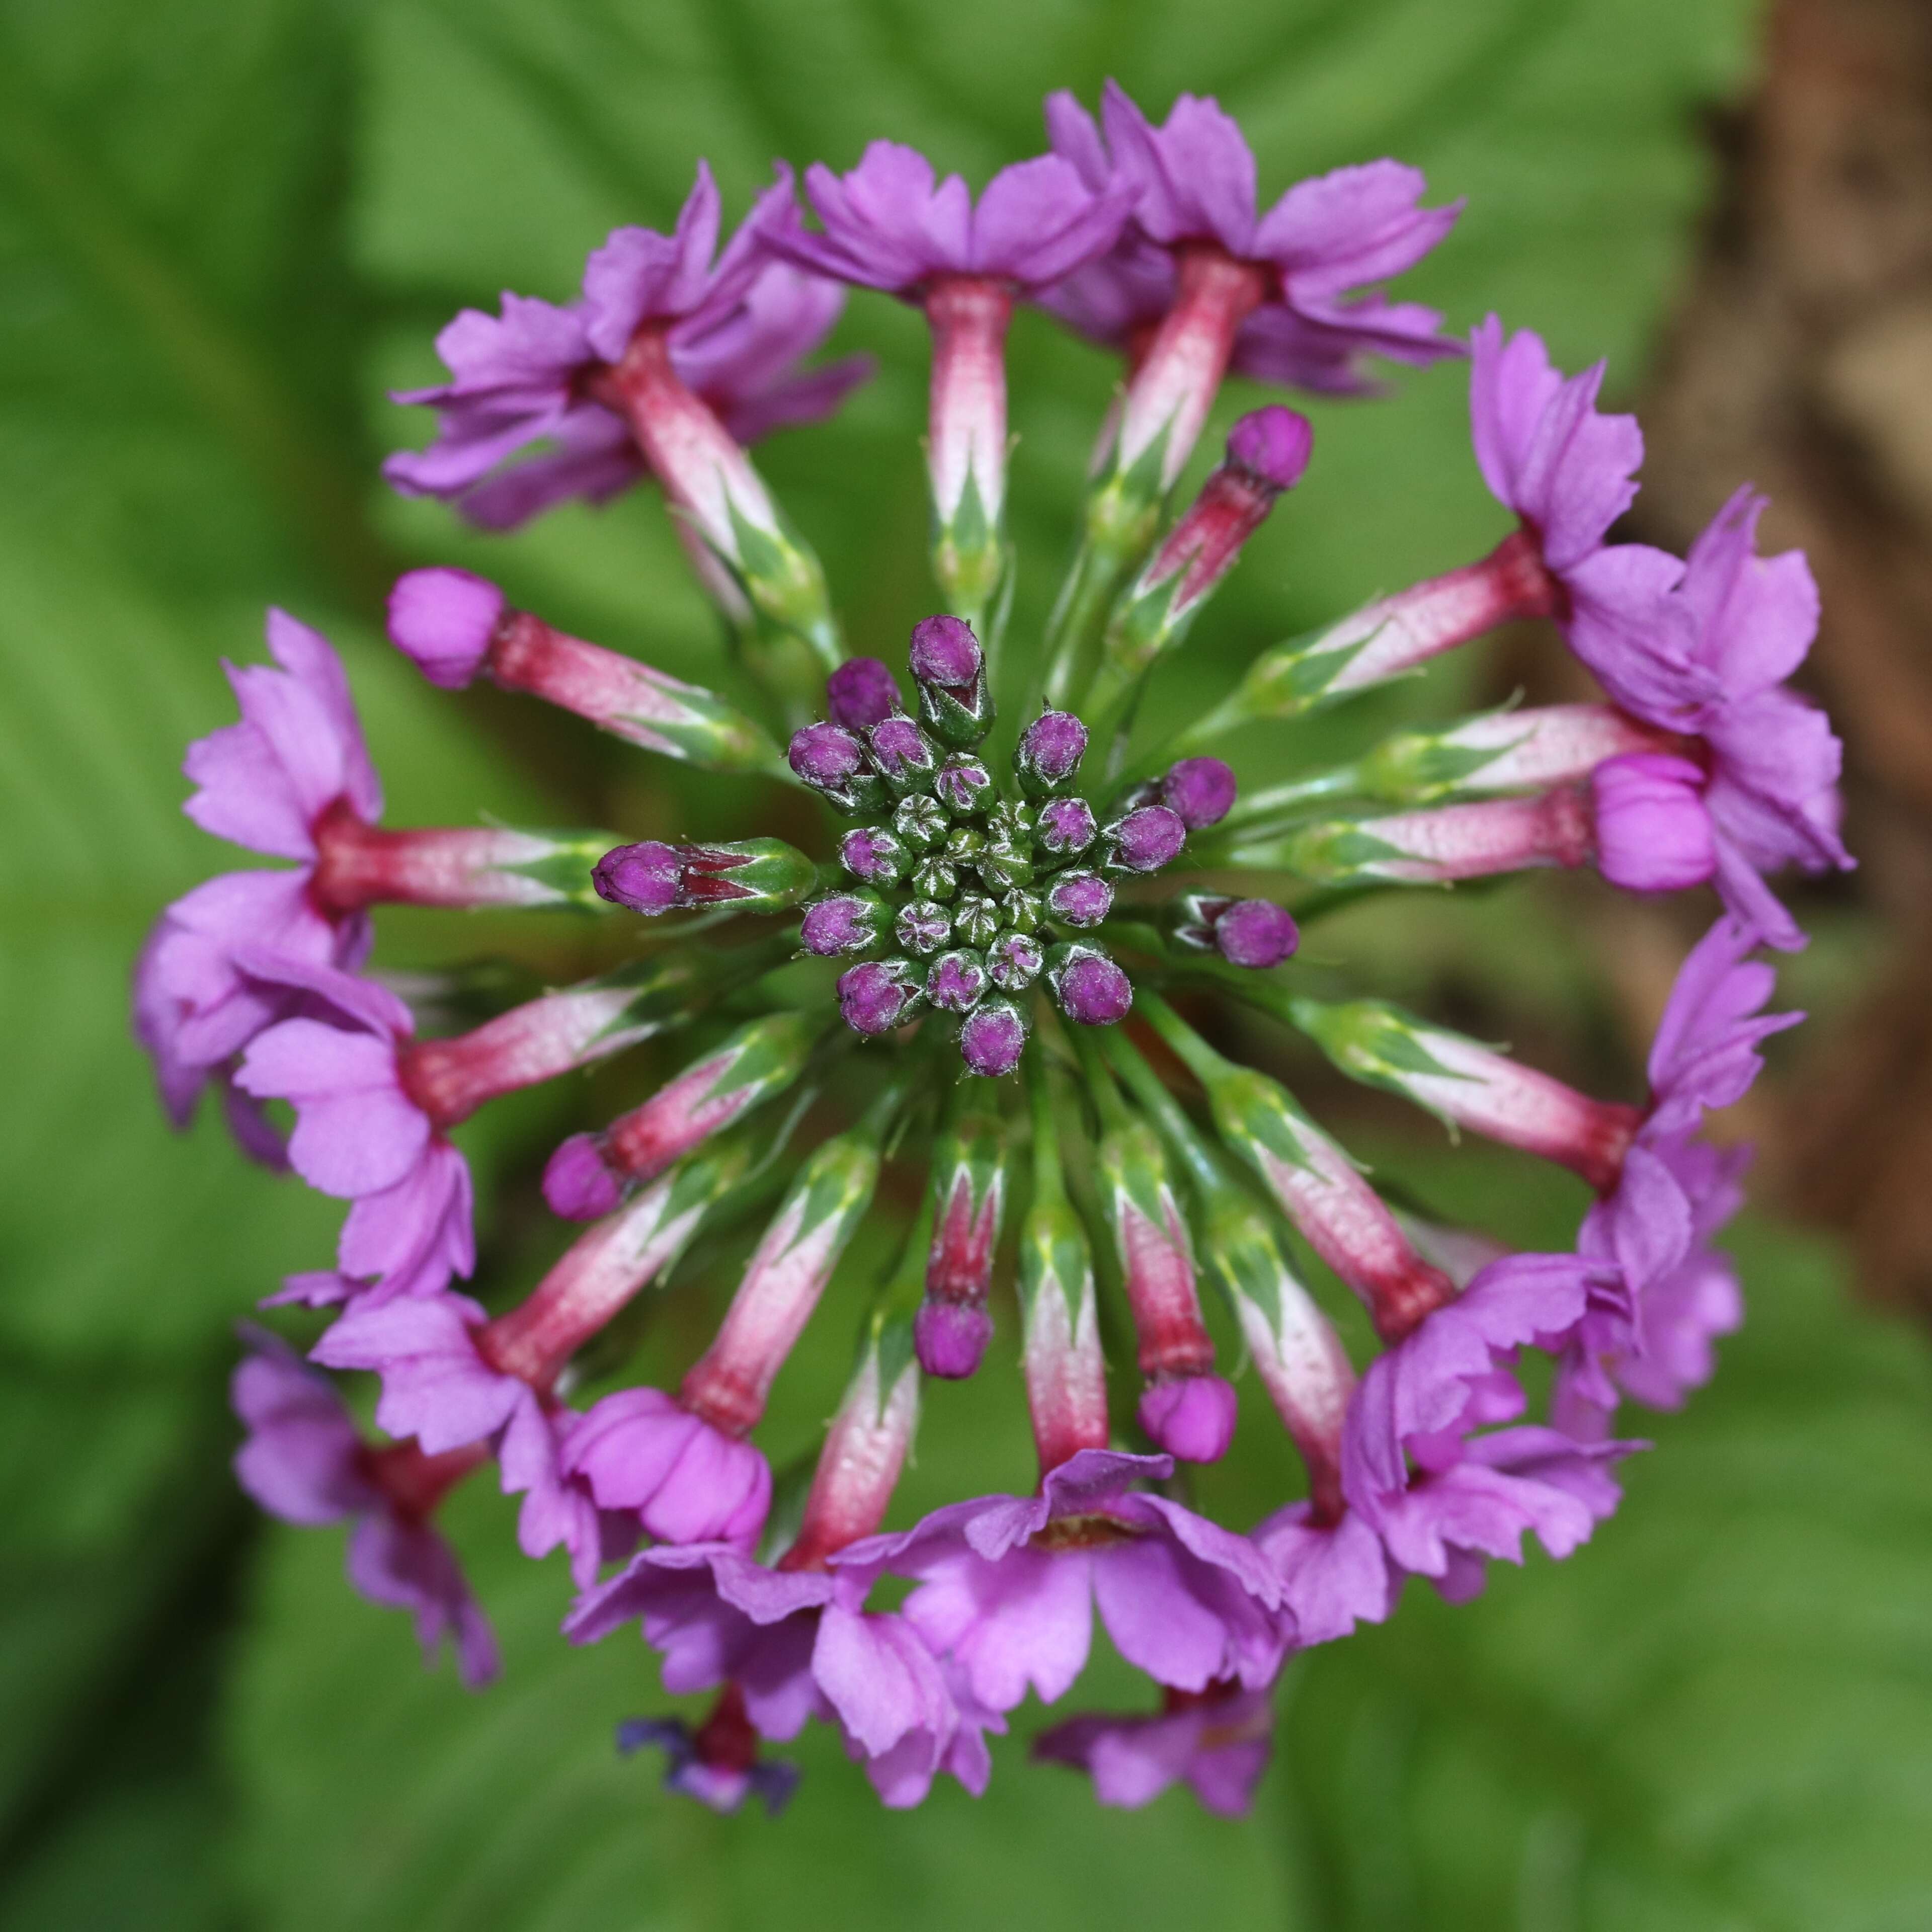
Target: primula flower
x=537, y=373
x=1203, y=279
x=975, y=990
x=1218, y=1743
x=305, y=1461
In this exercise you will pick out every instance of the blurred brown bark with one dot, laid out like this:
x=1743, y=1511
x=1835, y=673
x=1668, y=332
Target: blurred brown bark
x=1801, y=357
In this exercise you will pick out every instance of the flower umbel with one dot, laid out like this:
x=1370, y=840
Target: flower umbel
x=975, y=993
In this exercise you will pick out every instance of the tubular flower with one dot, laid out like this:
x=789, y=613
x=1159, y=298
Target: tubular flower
x=973, y=992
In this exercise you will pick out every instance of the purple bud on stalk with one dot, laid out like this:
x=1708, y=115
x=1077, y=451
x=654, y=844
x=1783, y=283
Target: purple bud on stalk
x=873, y=998
x=1200, y=791
x=1273, y=444
x=831, y=760
x=993, y=1038
x=951, y=1337
x=1065, y=826
x=873, y=854
x=1255, y=933
x=902, y=754
x=862, y=692
x=1653, y=831
x=1087, y=986
x=1049, y=752
x=1080, y=898
x=578, y=1183
x=1145, y=840
x=1191, y=1416
x=647, y=878
x=444, y=619
x=846, y=922
x=950, y=669
x=945, y=652
x=957, y=981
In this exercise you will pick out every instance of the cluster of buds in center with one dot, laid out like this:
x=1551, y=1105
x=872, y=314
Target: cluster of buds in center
x=973, y=897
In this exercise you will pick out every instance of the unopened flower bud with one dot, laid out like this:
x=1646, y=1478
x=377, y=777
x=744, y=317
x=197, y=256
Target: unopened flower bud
x=831, y=760
x=873, y=854
x=923, y=822
x=922, y=926
x=845, y=922
x=1014, y=960
x=951, y=1337
x=445, y=620
x=950, y=669
x=873, y=998
x=903, y=756
x=1653, y=831
x=1049, y=752
x=1022, y=910
x=993, y=1038
x=752, y=875
x=935, y=879
x=956, y=981
x=1065, y=826
x=1192, y=1417
x=861, y=693
x=964, y=786
x=977, y=919
x=1080, y=898
x=579, y=1183
x=1273, y=444
x=644, y=878
x=1145, y=840
x=1087, y=986
x=1255, y=933
x=1200, y=791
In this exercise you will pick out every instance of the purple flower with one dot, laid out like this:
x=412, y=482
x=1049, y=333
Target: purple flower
x=1568, y=473
x=1193, y=180
x=305, y=1462
x=1769, y=783
x=888, y=225
x=643, y=1451
x=993, y=1038
x=264, y=784
x=735, y=329
x=439, y=1386
x=1218, y=1744
x=362, y=1135
x=1009, y=1585
x=1674, y=1192
x=792, y=1645
x=1442, y=1497
x=1333, y=1575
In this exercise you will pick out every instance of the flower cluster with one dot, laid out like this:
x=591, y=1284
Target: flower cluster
x=996, y=1001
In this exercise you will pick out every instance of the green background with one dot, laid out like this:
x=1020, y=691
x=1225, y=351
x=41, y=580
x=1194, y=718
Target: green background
x=226, y=226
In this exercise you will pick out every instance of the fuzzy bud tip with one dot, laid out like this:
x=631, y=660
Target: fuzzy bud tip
x=944, y=651
x=578, y=1183
x=1191, y=1416
x=861, y=693
x=951, y=1337
x=1199, y=791
x=872, y=997
x=647, y=878
x=1273, y=445
x=1094, y=991
x=1255, y=933
x=992, y=1040
x=445, y=620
